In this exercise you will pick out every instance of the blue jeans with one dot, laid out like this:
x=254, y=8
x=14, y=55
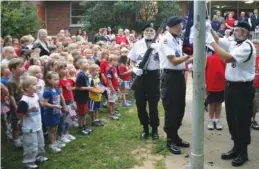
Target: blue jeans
x=63, y=126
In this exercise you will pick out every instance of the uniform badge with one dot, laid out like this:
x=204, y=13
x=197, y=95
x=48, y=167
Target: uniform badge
x=165, y=41
x=156, y=57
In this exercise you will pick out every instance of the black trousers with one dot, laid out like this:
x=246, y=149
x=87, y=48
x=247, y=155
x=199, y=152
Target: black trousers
x=148, y=92
x=239, y=109
x=173, y=91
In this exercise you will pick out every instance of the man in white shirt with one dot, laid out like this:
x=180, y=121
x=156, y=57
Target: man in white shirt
x=173, y=86
x=148, y=89
x=239, y=93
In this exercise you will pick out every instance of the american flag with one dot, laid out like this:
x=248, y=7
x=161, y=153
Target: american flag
x=187, y=47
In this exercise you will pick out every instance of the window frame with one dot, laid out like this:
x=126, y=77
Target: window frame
x=70, y=17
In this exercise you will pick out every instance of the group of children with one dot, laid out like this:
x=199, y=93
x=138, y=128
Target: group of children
x=48, y=94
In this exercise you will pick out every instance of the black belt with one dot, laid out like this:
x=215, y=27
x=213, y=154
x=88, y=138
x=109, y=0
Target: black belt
x=150, y=71
x=173, y=71
x=238, y=83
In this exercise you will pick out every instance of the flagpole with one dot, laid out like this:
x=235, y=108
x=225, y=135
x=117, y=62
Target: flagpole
x=197, y=155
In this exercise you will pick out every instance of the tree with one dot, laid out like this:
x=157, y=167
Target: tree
x=126, y=14
x=19, y=18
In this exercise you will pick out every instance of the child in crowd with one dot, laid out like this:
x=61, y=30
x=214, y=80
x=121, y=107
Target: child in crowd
x=125, y=76
x=16, y=65
x=37, y=72
x=5, y=109
x=89, y=54
x=82, y=95
x=256, y=85
x=65, y=86
x=104, y=64
x=113, y=86
x=52, y=110
x=8, y=53
x=215, y=83
x=35, y=61
x=5, y=74
x=71, y=72
x=28, y=111
x=96, y=95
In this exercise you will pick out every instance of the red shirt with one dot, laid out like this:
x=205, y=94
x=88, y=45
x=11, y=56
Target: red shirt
x=230, y=22
x=27, y=65
x=112, y=74
x=18, y=50
x=66, y=85
x=123, y=69
x=104, y=64
x=120, y=39
x=256, y=79
x=215, y=74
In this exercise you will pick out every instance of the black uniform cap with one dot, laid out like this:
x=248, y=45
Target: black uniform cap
x=242, y=24
x=148, y=25
x=173, y=20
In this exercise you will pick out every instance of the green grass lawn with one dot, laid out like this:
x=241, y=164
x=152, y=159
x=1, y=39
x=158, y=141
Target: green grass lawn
x=108, y=147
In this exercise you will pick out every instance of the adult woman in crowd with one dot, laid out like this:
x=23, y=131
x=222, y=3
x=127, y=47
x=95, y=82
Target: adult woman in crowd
x=8, y=41
x=42, y=43
x=110, y=34
x=79, y=34
x=121, y=38
x=230, y=21
x=215, y=24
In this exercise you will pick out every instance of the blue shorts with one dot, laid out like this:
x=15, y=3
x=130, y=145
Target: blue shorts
x=125, y=84
x=94, y=106
x=51, y=120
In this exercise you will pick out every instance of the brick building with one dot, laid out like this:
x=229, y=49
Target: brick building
x=57, y=15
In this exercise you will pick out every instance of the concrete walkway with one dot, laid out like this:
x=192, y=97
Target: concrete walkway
x=215, y=142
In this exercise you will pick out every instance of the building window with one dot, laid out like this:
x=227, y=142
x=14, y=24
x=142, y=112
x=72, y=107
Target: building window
x=76, y=14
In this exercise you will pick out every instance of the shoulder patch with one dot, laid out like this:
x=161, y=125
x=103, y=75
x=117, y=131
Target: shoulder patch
x=165, y=41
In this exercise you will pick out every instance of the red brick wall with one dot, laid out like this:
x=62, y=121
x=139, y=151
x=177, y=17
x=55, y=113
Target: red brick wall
x=58, y=16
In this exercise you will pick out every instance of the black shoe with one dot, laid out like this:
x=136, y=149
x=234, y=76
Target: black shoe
x=183, y=144
x=144, y=135
x=102, y=123
x=173, y=148
x=145, y=132
x=155, y=135
x=239, y=160
x=229, y=155
x=255, y=125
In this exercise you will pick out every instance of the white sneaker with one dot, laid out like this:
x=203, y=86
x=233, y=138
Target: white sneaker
x=114, y=117
x=75, y=123
x=54, y=149
x=64, y=139
x=218, y=124
x=17, y=143
x=30, y=165
x=59, y=144
x=70, y=137
x=41, y=159
x=211, y=124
